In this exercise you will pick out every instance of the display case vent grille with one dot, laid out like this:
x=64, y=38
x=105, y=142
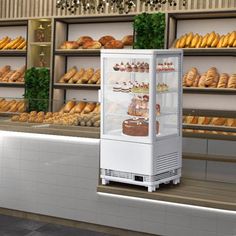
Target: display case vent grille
x=145, y=178
x=166, y=162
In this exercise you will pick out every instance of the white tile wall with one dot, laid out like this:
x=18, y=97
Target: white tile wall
x=60, y=177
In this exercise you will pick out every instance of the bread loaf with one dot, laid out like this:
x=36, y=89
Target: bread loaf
x=114, y=44
x=231, y=122
x=78, y=75
x=202, y=80
x=219, y=45
x=189, y=39
x=184, y=79
x=218, y=121
x=128, y=40
x=70, y=73
x=81, y=40
x=95, y=77
x=177, y=43
x=87, y=75
x=232, y=81
x=80, y=107
x=232, y=38
x=215, y=41
x=89, y=107
x=226, y=40
x=92, y=45
x=191, y=76
x=105, y=39
x=198, y=45
x=69, y=45
x=211, y=38
x=223, y=81
x=69, y=105
x=204, y=41
x=194, y=41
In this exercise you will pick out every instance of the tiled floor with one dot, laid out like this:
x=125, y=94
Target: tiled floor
x=13, y=226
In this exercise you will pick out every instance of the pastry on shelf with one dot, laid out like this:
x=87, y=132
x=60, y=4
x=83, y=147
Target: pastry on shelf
x=128, y=40
x=209, y=40
x=105, y=39
x=77, y=76
x=12, y=106
x=8, y=44
x=70, y=73
x=96, y=77
x=137, y=127
x=11, y=76
x=86, y=76
x=69, y=45
x=92, y=45
x=223, y=80
x=114, y=44
x=165, y=66
x=81, y=40
x=232, y=82
x=162, y=87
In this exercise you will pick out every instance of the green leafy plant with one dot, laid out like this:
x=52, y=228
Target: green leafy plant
x=149, y=31
x=37, y=82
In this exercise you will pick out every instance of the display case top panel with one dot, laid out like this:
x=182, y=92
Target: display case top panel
x=141, y=51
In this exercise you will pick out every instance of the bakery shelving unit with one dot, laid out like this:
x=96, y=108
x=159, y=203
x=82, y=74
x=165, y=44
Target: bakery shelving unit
x=70, y=29
x=206, y=101
x=15, y=58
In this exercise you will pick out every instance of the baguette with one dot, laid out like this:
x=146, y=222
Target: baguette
x=215, y=41
x=69, y=105
x=89, y=107
x=226, y=40
x=204, y=41
x=4, y=69
x=95, y=77
x=211, y=38
x=232, y=38
x=70, y=73
x=80, y=107
x=87, y=75
x=189, y=39
x=219, y=45
x=17, y=44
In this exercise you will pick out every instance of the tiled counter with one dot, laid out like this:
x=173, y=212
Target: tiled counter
x=58, y=176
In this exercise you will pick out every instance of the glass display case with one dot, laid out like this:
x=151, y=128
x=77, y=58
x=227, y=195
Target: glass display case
x=141, y=116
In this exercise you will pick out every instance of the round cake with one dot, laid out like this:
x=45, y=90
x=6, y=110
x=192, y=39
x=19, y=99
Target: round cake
x=137, y=127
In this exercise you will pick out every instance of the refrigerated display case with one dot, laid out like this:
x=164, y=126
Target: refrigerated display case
x=141, y=130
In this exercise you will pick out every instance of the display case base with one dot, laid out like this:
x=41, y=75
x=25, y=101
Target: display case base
x=151, y=182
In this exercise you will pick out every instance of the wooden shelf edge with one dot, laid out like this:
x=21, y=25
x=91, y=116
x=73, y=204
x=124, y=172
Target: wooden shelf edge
x=209, y=136
x=77, y=52
x=208, y=157
x=225, y=91
x=12, y=85
x=77, y=86
x=13, y=52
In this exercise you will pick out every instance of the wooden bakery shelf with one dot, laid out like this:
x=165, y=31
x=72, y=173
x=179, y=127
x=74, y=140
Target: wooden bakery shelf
x=13, y=53
x=223, y=91
x=191, y=192
x=210, y=113
x=12, y=85
x=77, y=86
x=74, y=131
x=78, y=52
x=209, y=51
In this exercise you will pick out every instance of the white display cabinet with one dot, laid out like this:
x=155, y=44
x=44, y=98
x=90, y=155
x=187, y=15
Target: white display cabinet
x=141, y=131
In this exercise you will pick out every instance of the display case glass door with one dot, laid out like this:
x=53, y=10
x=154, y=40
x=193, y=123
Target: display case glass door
x=167, y=94
x=126, y=97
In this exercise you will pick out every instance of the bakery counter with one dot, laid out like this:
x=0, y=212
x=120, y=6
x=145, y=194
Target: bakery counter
x=51, y=129
x=189, y=191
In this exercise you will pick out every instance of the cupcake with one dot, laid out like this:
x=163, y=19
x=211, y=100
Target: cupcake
x=117, y=87
x=122, y=66
x=146, y=67
x=141, y=68
x=135, y=68
x=116, y=67
x=128, y=67
x=125, y=88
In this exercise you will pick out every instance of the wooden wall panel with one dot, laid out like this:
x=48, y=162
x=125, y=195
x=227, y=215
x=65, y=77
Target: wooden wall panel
x=16, y=9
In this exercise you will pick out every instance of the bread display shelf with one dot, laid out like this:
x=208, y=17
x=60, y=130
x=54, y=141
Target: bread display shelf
x=217, y=136
x=78, y=131
x=78, y=52
x=210, y=113
x=12, y=85
x=209, y=51
x=77, y=86
x=196, y=90
x=210, y=128
x=8, y=53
